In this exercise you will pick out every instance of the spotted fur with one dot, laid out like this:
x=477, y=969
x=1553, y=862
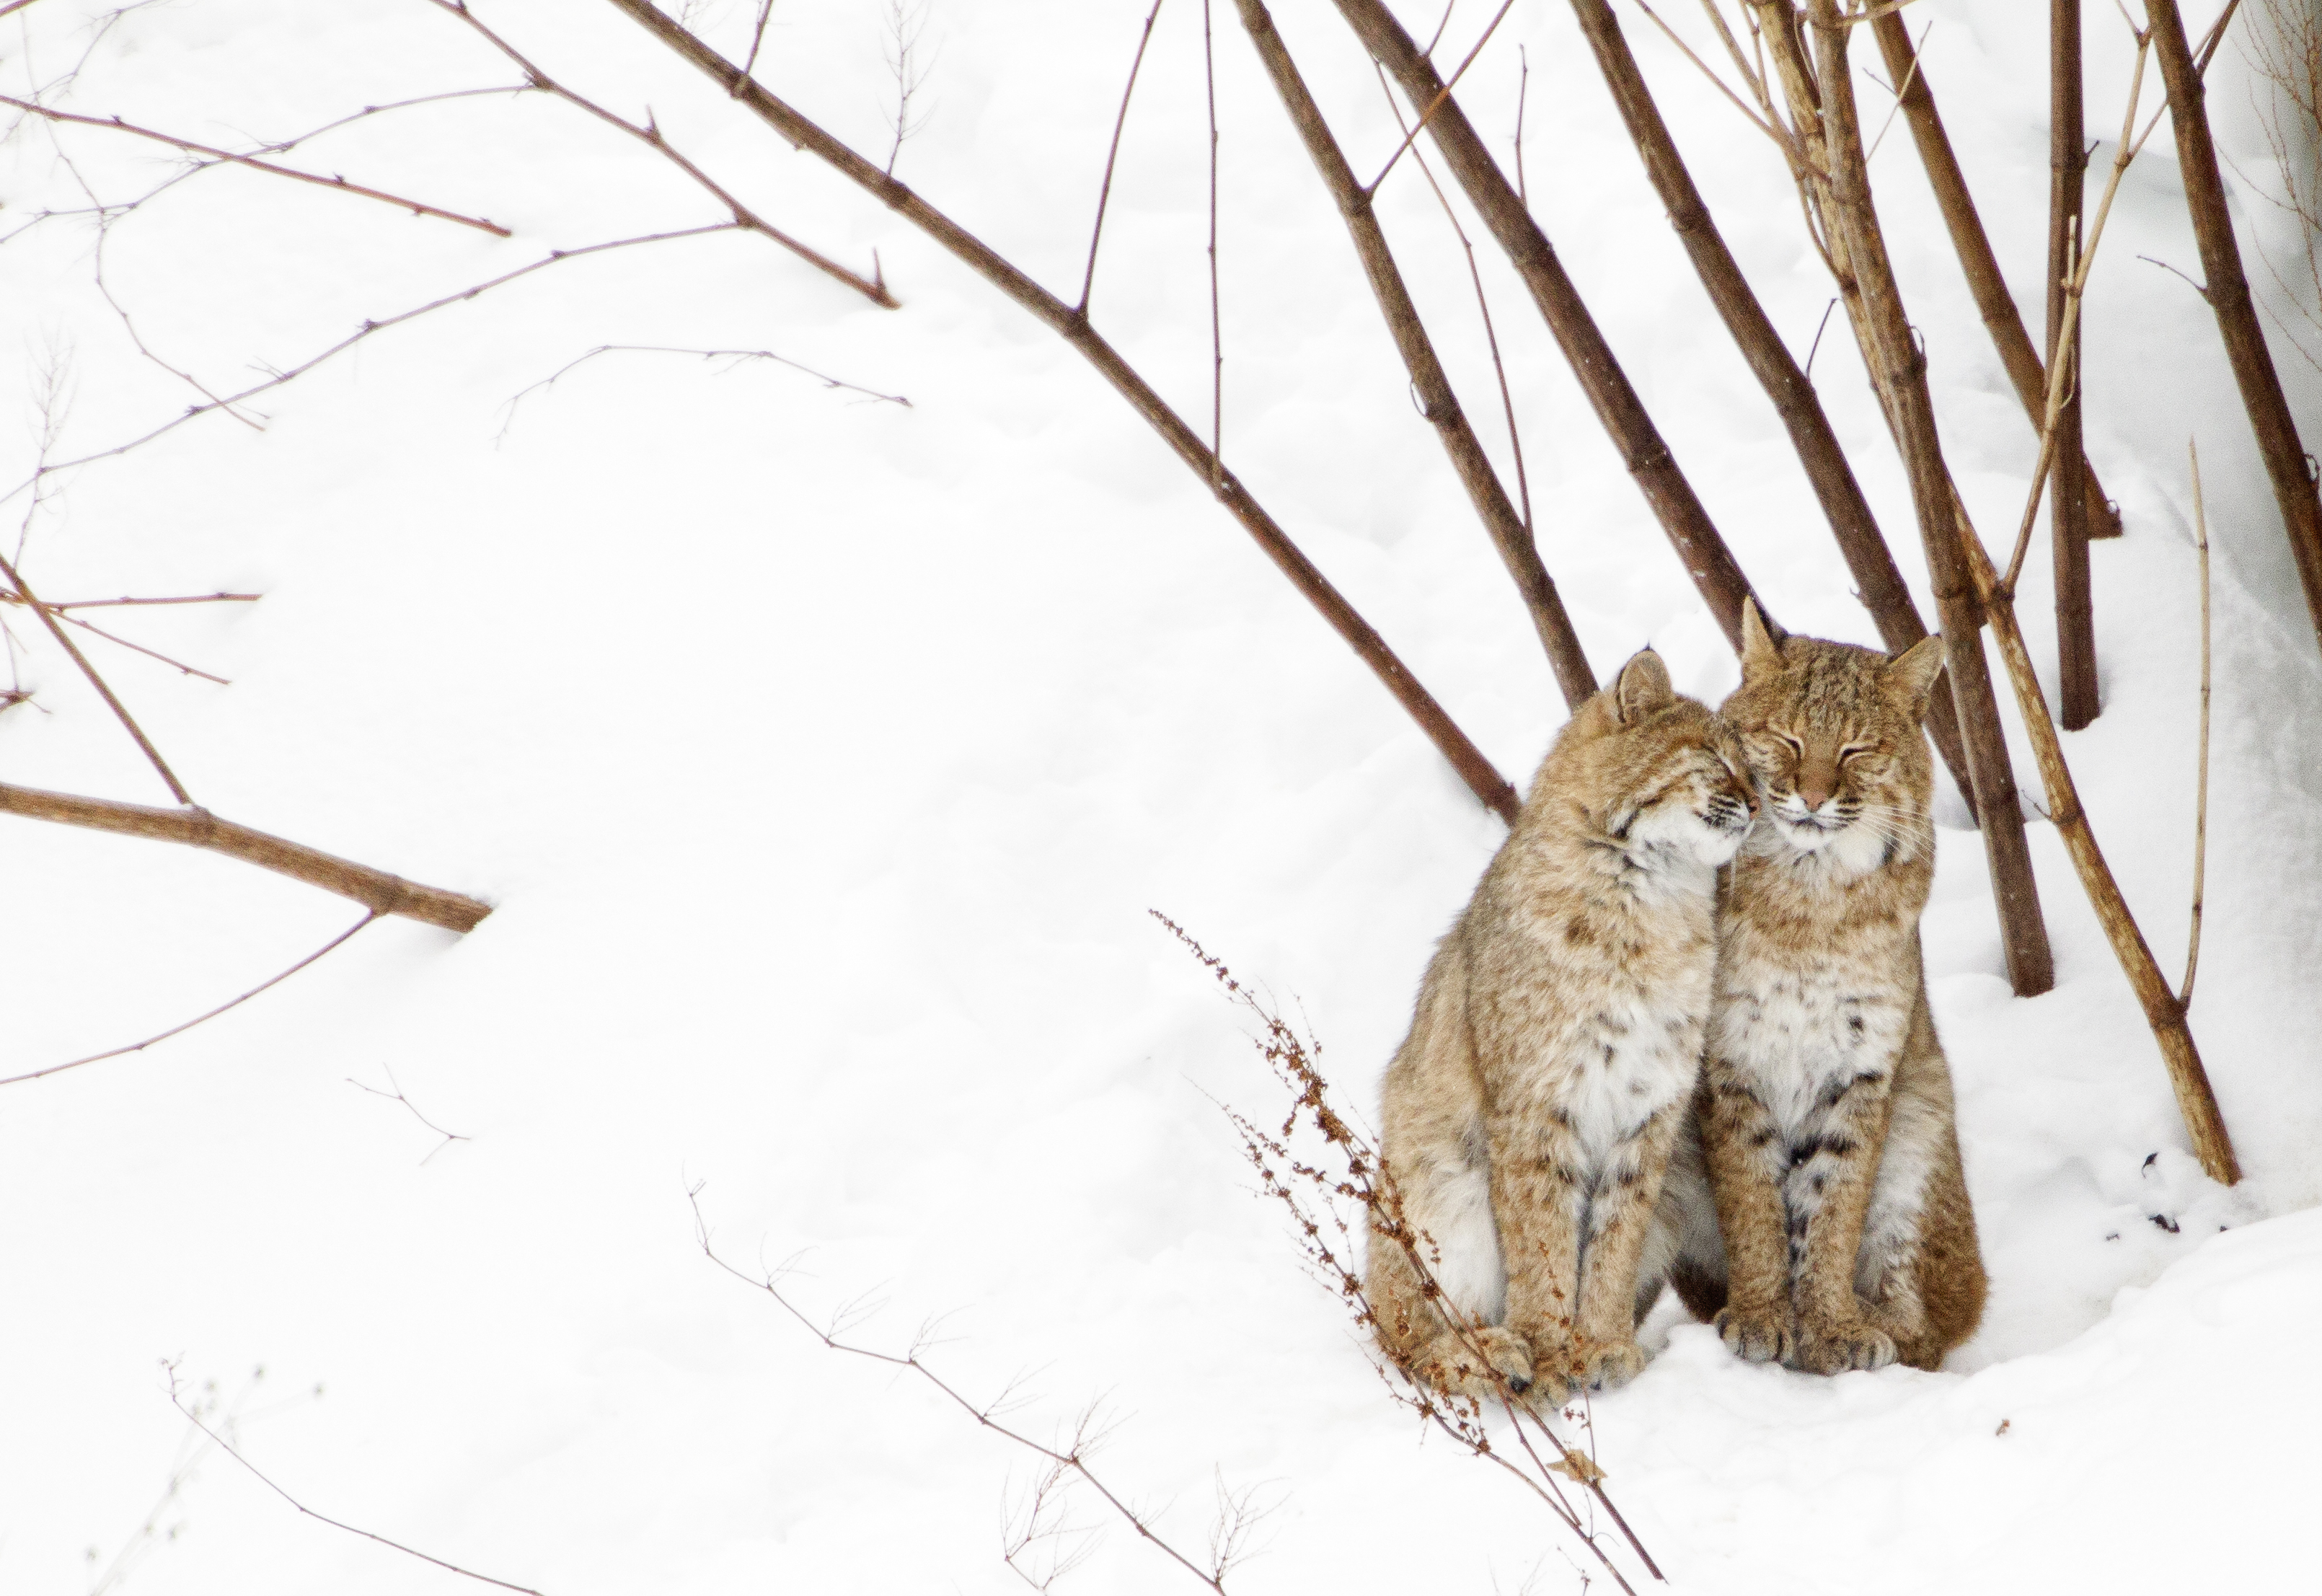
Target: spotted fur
x=1843, y=1238
x=1531, y=1111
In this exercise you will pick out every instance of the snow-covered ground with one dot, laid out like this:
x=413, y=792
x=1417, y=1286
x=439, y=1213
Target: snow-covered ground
x=824, y=756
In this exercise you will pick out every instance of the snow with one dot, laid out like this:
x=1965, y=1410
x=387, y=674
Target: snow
x=823, y=757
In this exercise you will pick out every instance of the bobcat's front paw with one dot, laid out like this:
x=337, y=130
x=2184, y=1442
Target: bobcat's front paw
x=1453, y=1363
x=1849, y=1344
x=1756, y=1335
x=1611, y=1365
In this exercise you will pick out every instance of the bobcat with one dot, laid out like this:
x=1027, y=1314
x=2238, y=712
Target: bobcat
x=1824, y=1107
x=1531, y=1111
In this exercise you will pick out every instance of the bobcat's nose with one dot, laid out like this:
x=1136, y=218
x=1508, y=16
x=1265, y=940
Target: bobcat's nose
x=1813, y=793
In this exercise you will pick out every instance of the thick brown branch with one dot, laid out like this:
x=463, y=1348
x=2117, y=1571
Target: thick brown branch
x=1969, y=240
x=1706, y=559
x=1488, y=786
x=2068, y=522
x=1899, y=367
x=1876, y=578
x=2286, y=461
x=375, y=890
x=212, y=153
x=1441, y=406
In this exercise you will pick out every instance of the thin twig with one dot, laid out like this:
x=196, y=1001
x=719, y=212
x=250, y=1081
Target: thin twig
x=1523, y=88
x=417, y=207
x=281, y=377
x=1119, y=120
x=139, y=1047
x=1769, y=124
x=124, y=603
x=397, y=1096
x=2201, y=802
x=650, y=134
x=758, y=36
x=829, y=1336
x=176, y=664
x=1217, y=318
x=228, y=1447
x=1438, y=103
x=738, y=356
x=2165, y=266
x=120, y=710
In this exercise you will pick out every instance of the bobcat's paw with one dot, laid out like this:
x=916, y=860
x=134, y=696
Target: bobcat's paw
x=1850, y=1344
x=1756, y=1335
x=1452, y=1365
x=1611, y=1366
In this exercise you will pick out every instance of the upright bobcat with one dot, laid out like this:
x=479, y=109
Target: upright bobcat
x=1824, y=1103
x=1529, y=1113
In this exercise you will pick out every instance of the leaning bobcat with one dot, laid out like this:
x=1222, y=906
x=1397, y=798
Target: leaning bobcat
x=1824, y=1104
x=1529, y=1113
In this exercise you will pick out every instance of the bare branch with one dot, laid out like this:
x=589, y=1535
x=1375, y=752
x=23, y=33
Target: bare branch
x=1442, y=96
x=282, y=377
x=375, y=890
x=176, y=664
x=650, y=134
x=397, y=1096
x=1073, y=1457
x=139, y=1047
x=1119, y=120
x=120, y=710
x=417, y=207
x=225, y=1446
x=736, y=356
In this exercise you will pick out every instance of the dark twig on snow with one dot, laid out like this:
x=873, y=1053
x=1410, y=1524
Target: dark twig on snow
x=212, y=153
x=1111, y=154
x=139, y=1047
x=397, y=1096
x=228, y=1447
x=735, y=356
x=1072, y=1457
x=649, y=133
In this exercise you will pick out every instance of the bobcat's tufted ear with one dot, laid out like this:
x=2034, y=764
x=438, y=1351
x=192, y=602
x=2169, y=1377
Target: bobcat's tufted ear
x=1912, y=673
x=1643, y=687
x=1759, y=654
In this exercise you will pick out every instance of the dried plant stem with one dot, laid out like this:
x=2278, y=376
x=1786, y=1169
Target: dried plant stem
x=1707, y=561
x=2201, y=801
x=120, y=710
x=210, y=153
x=139, y=1047
x=375, y=890
x=1826, y=106
x=2163, y=1011
x=1864, y=548
x=2286, y=461
x=1489, y=786
x=228, y=1447
x=984, y=1415
x=2001, y=319
x=1441, y=406
x=2067, y=526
